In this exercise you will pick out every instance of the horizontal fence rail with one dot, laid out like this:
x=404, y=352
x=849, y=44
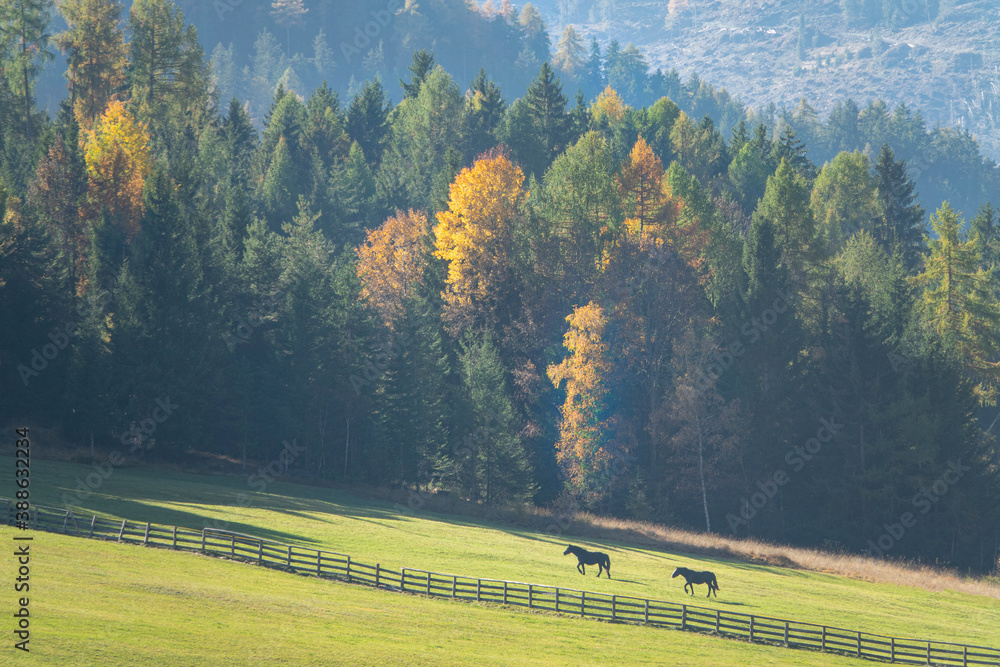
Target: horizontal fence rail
x=605, y=606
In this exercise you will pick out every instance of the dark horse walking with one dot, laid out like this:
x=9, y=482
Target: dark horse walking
x=691, y=578
x=590, y=558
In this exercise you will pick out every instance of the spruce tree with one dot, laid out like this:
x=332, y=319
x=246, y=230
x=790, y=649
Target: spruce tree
x=423, y=64
x=593, y=74
x=900, y=220
x=537, y=124
x=484, y=114
x=793, y=149
x=492, y=464
x=368, y=120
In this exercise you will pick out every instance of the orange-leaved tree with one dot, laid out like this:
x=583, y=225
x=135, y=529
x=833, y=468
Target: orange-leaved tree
x=481, y=238
x=118, y=162
x=391, y=263
x=639, y=183
x=586, y=447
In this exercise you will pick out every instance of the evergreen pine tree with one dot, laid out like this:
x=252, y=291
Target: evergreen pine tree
x=484, y=114
x=537, y=124
x=423, y=64
x=367, y=120
x=900, y=220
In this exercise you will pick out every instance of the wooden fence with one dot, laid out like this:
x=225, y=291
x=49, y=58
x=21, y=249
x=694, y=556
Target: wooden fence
x=616, y=608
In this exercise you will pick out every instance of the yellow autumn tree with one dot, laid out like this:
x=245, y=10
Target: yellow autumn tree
x=118, y=162
x=478, y=236
x=585, y=449
x=391, y=261
x=609, y=104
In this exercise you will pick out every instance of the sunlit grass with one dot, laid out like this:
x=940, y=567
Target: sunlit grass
x=109, y=604
x=395, y=535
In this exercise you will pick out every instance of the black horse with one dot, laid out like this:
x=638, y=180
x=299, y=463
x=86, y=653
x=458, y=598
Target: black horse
x=691, y=578
x=585, y=557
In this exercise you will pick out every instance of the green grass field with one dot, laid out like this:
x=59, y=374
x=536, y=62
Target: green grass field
x=374, y=531
x=107, y=604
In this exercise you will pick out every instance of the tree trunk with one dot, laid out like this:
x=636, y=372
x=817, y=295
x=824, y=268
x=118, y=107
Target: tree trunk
x=701, y=471
x=347, y=443
x=24, y=71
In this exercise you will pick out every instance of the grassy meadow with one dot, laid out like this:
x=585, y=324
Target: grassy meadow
x=108, y=604
x=396, y=535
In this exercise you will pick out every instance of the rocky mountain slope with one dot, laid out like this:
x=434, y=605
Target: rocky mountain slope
x=941, y=58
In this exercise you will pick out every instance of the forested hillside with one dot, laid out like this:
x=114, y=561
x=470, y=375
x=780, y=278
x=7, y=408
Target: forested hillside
x=939, y=57
x=514, y=293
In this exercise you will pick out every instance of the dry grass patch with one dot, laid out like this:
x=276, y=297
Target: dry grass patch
x=751, y=550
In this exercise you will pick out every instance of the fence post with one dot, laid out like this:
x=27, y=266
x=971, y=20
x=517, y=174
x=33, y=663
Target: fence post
x=557, y=600
x=684, y=616
x=65, y=521
x=892, y=649
x=751, y=626
x=505, y=592
x=614, y=599
x=377, y=568
x=92, y=522
x=121, y=533
x=823, y=644
x=175, y=537
x=965, y=656
x=645, y=616
x=479, y=585
x=717, y=622
x=454, y=583
x=232, y=546
x=583, y=603
x=402, y=578
x=289, y=560
x=428, y=579
x=349, y=570
x=928, y=653
x=786, y=634
x=319, y=563
x=260, y=552
x=145, y=539
x=859, y=644
x=202, y=540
